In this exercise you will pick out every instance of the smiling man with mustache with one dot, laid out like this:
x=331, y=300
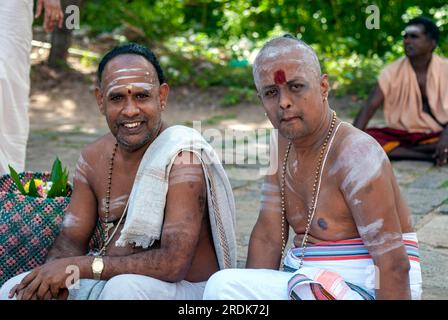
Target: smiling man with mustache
x=159, y=192
x=413, y=91
x=335, y=189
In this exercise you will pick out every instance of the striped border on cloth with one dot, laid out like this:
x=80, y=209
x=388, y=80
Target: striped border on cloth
x=352, y=249
x=327, y=286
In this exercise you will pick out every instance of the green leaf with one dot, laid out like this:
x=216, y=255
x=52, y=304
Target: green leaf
x=16, y=179
x=65, y=180
x=59, y=178
x=56, y=170
x=57, y=189
x=33, y=190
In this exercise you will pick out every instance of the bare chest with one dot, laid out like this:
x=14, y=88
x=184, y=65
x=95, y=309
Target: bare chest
x=331, y=218
x=112, y=194
x=421, y=80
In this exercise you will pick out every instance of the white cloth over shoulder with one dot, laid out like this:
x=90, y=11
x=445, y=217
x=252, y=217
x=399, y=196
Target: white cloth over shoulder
x=16, y=19
x=146, y=208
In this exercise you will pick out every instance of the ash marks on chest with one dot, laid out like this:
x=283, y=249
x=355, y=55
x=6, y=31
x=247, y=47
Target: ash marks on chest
x=115, y=203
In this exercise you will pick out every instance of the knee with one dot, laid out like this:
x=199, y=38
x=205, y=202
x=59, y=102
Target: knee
x=120, y=287
x=221, y=284
x=133, y=287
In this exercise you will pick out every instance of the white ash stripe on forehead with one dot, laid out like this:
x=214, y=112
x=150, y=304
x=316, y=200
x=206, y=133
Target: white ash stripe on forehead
x=278, y=47
x=276, y=51
x=412, y=28
x=140, y=71
x=132, y=70
x=139, y=85
x=270, y=67
x=115, y=80
x=267, y=66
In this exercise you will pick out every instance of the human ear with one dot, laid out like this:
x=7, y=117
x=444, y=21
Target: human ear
x=100, y=100
x=164, y=90
x=324, y=87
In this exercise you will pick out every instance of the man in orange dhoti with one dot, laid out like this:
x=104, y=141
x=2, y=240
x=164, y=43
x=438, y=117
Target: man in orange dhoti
x=413, y=93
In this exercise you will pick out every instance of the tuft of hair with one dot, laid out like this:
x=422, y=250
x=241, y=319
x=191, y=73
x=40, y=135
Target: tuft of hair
x=430, y=28
x=131, y=48
x=300, y=42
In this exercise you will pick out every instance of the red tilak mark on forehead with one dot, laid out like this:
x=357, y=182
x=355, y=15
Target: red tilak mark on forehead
x=279, y=77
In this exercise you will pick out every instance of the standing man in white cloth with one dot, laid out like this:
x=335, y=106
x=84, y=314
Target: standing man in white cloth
x=335, y=189
x=16, y=19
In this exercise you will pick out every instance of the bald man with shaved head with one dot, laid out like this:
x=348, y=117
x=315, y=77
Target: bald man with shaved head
x=334, y=188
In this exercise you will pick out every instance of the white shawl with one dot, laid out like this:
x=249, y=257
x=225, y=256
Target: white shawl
x=146, y=205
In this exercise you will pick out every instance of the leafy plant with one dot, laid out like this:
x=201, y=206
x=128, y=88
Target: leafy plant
x=55, y=187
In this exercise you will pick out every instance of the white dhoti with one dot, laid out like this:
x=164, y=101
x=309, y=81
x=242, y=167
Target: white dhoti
x=124, y=287
x=341, y=270
x=16, y=18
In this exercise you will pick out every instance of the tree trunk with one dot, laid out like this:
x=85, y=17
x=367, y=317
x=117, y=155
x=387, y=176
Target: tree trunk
x=61, y=39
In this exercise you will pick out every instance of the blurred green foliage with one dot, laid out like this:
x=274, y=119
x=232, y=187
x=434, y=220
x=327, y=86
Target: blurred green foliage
x=206, y=43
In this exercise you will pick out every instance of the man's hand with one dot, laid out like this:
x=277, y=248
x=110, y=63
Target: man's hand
x=45, y=282
x=442, y=150
x=53, y=13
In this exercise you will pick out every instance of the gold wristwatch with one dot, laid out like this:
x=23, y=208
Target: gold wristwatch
x=97, y=267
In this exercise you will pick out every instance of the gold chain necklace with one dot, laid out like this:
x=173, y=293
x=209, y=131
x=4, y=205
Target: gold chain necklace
x=311, y=208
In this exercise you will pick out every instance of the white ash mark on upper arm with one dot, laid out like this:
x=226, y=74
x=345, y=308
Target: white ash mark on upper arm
x=361, y=161
x=371, y=230
x=70, y=220
x=82, y=170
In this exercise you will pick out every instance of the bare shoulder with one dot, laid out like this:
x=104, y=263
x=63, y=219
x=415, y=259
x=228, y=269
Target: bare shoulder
x=92, y=158
x=354, y=148
x=357, y=158
x=99, y=146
